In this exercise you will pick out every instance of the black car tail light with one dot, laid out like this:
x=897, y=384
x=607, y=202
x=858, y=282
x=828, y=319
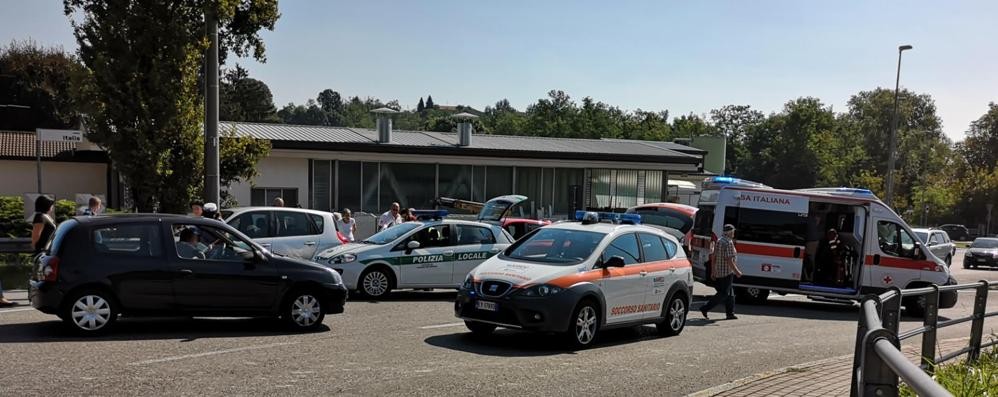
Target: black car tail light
x=50, y=272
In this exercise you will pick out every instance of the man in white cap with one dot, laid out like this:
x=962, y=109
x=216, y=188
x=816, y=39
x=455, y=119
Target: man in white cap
x=724, y=270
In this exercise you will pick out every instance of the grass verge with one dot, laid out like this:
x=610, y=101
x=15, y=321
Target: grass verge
x=979, y=378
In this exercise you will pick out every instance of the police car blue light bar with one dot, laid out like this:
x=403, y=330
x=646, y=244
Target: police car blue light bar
x=613, y=217
x=429, y=214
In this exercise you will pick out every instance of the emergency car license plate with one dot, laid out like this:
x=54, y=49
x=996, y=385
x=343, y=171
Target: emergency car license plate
x=981, y=260
x=485, y=305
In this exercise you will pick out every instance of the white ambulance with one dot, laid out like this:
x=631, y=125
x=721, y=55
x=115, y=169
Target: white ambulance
x=830, y=243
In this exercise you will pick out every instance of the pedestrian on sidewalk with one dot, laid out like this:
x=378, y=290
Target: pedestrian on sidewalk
x=197, y=208
x=390, y=218
x=278, y=202
x=42, y=224
x=93, y=207
x=346, y=224
x=724, y=271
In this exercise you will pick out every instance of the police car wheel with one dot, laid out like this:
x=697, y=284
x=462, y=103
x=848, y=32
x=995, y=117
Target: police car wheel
x=479, y=329
x=675, y=316
x=584, y=325
x=375, y=283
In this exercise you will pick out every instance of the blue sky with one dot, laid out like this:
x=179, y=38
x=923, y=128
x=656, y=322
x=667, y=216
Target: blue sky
x=684, y=56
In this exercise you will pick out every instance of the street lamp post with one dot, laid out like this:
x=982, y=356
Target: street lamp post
x=894, y=127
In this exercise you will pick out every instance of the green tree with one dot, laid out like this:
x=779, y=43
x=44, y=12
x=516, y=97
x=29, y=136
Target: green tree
x=781, y=149
x=308, y=114
x=980, y=148
x=238, y=157
x=691, y=125
x=41, y=79
x=553, y=116
x=420, y=107
x=242, y=98
x=503, y=119
x=141, y=93
x=648, y=126
x=429, y=102
x=734, y=122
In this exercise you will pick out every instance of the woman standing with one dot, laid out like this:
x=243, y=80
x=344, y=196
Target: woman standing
x=42, y=225
x=346, y=224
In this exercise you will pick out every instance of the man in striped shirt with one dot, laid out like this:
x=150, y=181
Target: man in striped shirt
x=724, y=270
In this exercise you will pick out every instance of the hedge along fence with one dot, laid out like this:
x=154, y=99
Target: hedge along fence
x=15, y=270
x=14, y=224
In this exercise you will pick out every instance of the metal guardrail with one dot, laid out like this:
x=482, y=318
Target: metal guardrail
x=878, y=361
x=20, y=245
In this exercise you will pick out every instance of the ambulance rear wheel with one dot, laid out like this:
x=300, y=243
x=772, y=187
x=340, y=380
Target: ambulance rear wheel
x=751, y=295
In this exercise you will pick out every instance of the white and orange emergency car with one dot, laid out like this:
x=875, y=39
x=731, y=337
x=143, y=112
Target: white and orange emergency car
x=578, y=278
x=786, y=242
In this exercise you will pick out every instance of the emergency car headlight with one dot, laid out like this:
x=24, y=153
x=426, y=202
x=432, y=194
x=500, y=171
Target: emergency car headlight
x=345, y=258
x=541, y=290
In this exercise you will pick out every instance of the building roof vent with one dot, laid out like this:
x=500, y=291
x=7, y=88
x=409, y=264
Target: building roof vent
x=464, y=128
x=384, y=124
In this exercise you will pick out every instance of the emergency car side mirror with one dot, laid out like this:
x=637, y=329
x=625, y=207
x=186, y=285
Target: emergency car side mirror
x=614, y=261
x=411, y=246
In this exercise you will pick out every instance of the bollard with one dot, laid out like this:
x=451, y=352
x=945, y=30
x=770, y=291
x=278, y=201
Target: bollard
x=977, y=326
x=930, y=322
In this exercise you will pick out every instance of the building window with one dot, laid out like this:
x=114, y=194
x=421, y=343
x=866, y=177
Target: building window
x=322, y=184
x=498, y=181
x=348, y=189
x=261, y=196
x=369, y=188
x=478, y=184
x=568, y=185
x=412, y=185
x=456, y=181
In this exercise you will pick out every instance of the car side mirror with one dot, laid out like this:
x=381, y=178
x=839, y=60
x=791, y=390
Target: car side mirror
x=614, y=261
x=411, y=246
x=917, y=253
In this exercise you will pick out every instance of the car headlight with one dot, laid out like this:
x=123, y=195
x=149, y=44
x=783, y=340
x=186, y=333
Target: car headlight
x=540, y=290
x=345, y=258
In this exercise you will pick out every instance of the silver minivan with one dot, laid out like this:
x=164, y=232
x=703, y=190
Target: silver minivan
x=294, y=232
x=937, y=241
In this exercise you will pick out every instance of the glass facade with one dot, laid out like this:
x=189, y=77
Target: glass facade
x=552, y=192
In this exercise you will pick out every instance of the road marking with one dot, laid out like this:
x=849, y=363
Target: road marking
x=211, y=353
x=441, y=325
x=16, y=310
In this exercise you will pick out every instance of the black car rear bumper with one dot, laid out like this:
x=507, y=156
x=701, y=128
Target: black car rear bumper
x=45, y=297
x=336, y=298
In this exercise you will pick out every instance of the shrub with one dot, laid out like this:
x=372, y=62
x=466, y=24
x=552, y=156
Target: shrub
x=12, y=221
x=979, y=378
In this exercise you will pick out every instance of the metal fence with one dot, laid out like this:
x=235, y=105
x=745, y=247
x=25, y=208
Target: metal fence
x=878, y=361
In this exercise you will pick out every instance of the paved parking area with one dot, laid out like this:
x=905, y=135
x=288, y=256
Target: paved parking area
x=412, y=345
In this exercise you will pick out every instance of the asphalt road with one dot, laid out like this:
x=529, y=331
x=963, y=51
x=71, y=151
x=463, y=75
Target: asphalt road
x=413, y=345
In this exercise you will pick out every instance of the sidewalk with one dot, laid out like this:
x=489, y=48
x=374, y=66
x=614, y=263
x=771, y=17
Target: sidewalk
x=829, y=377
x=20, y=296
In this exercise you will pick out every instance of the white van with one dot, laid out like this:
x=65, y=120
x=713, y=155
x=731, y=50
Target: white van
x=784, y=245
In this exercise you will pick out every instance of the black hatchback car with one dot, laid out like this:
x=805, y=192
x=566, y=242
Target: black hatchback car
x=159, y=265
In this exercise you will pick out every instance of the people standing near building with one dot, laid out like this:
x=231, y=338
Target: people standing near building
x=93, y=207
x=197, y=208
x=724, y=270
x=404, y=215
x=346, y=224
x=278, y=202
x=390, y=218
x=412, y=215
x=42, y=224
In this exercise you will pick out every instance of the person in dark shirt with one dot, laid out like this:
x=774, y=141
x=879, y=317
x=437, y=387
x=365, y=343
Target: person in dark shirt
x=42, y=224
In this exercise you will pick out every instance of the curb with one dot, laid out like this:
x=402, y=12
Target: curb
x=763, y=375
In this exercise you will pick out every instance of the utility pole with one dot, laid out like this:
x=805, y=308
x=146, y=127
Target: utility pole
x=894, y=127
x=211, y=189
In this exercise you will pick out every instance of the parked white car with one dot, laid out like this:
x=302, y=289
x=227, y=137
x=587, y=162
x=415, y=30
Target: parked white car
x=294, y=232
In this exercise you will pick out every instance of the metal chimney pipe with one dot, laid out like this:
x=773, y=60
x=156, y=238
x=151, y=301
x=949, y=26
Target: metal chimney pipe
x=464, y=128
x=384, y=124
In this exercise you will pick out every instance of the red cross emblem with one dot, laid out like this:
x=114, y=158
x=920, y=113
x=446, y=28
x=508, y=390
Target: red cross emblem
x=888, y=279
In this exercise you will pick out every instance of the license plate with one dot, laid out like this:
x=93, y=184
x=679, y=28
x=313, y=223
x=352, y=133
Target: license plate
x=485, y=305
x=981, y=260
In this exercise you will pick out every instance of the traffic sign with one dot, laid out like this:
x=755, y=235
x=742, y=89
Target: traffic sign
x=59, y=135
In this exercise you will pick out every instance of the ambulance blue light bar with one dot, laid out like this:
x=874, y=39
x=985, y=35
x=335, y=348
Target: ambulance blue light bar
x=729, y=180
x=612, y=217
x=424, y=215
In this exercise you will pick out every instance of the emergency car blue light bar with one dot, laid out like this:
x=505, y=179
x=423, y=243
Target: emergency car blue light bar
x=429, y=214
x=854, y=190
x=722, y=179
x=613, y=217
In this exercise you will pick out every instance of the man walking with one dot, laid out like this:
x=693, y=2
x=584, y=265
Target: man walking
x=390, y=218
x=724, y=271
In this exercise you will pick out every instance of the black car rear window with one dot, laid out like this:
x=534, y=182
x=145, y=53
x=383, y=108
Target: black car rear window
x=132, y=239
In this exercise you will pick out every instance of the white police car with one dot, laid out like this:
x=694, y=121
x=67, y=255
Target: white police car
x=436, y=253
x=578, y=278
